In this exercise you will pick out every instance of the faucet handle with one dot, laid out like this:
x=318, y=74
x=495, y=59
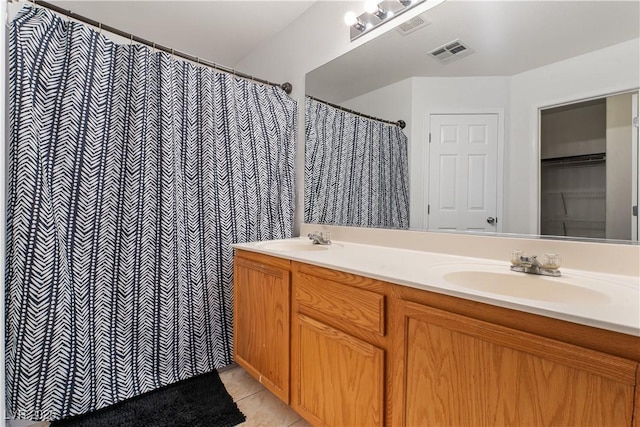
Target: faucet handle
x=551, y=261
x=326, y=236
x=516, y=257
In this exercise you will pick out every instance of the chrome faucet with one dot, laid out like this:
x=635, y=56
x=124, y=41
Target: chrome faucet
x=531, y=265
x=320, y=238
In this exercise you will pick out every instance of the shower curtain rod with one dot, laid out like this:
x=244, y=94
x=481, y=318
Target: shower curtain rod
x=400, y=123
x=287, y=87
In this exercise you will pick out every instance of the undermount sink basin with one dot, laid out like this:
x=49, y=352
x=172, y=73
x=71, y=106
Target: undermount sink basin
x=293, y=246
x=528, y=286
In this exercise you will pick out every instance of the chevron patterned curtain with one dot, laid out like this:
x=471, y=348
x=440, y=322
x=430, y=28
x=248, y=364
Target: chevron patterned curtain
x=356, y=170
x=131, y=172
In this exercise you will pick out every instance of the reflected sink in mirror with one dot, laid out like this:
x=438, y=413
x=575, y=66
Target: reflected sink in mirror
x=293, y=246
x=527, y=286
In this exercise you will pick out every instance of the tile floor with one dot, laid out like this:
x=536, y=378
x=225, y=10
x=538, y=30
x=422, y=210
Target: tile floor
x=259, y=405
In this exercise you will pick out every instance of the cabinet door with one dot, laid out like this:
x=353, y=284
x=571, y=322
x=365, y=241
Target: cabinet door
x=340, y=377
x=261, y=323
x=465, y=372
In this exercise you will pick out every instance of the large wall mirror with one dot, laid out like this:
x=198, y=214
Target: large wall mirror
x=519, y=118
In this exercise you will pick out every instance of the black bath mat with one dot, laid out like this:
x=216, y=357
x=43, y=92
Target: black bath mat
x=198, y=401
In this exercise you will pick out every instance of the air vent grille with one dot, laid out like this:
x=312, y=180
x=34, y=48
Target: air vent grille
x=451, y=51
x=412, y=25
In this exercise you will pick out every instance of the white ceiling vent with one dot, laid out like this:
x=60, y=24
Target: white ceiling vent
x=451, y=51
x=413, y=24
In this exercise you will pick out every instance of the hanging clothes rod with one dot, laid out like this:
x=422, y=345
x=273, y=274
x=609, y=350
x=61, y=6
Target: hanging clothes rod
x=287, y=87
x=400, y=123
x=584, y=159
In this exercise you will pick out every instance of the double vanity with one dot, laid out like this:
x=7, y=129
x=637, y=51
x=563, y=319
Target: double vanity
x=362, y=335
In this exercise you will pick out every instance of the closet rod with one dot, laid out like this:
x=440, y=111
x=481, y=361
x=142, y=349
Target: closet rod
x=287, y=87
x=400, y=123
x=575, y=160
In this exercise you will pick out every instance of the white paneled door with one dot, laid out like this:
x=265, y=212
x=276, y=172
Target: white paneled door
x=463, y=169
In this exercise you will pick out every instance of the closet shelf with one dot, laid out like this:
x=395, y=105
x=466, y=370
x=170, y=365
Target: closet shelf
x=576, y=194
x=573, y=227
x=586, y=159
x=583, y=224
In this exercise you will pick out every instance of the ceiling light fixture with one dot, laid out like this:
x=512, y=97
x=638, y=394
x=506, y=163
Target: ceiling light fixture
x=353, y=21
x=372, y=7
x=377, y=13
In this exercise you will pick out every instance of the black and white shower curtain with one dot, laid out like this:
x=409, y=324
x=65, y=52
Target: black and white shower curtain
x=356, y=170
x=131, y=172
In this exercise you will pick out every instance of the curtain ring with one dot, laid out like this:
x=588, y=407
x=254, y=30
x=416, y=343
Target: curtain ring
x=131, y=40
x=100, y=28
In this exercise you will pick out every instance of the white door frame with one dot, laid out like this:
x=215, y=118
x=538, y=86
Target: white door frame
x=535, y=115
x=635, y=149
x=500, y=161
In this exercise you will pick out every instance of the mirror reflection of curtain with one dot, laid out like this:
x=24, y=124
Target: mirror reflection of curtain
x=356, y=170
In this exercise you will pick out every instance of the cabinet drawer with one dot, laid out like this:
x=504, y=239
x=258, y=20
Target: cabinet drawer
x=344, y=304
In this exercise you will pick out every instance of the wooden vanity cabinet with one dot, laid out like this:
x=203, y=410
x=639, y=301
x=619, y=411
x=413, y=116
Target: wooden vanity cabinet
x=459, y=371
x=262, y=310
x=346, y=350
x=339, y=347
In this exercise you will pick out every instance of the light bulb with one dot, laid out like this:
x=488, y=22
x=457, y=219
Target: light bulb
x=374, y=9
x=371, y=6
x=405, y=3
x=350, y=18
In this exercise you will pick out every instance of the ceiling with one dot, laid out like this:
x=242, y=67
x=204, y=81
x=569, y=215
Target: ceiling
x=508, y=37
x=223, y=32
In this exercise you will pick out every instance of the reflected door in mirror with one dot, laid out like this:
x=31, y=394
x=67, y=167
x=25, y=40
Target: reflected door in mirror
x=463, y=165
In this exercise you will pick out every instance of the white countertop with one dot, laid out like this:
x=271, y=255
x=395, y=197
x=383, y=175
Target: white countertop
x=605, y=301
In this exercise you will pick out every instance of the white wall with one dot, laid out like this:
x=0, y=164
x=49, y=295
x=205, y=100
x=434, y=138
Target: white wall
x=594, y=74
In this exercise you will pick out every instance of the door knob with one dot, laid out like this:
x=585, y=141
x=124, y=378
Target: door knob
x=492, y=220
